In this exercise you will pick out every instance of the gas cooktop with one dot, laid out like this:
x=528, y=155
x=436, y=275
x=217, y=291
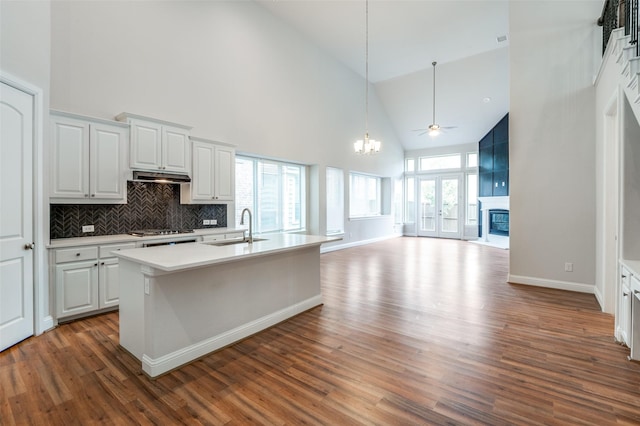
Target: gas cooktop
x=150, y=232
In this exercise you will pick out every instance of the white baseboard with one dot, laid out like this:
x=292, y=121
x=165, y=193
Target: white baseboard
x=155, y=367
x=325, y=249
x=559, y=285
x=599, y=297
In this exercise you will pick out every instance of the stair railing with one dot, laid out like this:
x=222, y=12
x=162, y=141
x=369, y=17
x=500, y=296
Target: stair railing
x=632, y=27
x=615, y=14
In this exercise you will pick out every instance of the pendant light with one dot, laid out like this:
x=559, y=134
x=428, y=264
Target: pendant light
x=434, y=128
x=366, y=146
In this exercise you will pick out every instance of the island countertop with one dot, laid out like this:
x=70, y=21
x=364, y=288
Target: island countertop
x=172, y=258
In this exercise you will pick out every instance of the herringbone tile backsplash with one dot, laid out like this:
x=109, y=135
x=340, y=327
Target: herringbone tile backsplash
x=149, y=206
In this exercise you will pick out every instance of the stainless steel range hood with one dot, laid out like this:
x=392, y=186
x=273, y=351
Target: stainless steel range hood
x=159, y=177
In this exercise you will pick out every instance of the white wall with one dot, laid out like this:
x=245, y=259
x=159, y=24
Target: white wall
x=608, y=114
x=229, y=69
x=553, y=60
x=25, y=55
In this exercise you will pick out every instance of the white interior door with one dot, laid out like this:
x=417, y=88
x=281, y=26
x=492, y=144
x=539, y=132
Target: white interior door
x=16, y=219
x=439, y=208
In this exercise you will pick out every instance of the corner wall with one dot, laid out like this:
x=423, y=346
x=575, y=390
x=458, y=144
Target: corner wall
x=553, y=60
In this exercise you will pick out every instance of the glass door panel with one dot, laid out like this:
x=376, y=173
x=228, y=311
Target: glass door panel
x=449, y=190
x=427, y=207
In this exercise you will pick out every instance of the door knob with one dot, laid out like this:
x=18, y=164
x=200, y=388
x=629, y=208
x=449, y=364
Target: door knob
x=29, y=246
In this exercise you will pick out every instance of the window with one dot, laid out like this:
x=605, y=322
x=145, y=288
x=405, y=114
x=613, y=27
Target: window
x=274, y=191
x=472, y=159
x=364, y=195
x=410, y=165
x=472, y=199
x=397, y=201
x=440, y=162
x=410, y=197
x=335, y=201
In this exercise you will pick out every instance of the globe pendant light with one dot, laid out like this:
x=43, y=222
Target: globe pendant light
x=366, y=146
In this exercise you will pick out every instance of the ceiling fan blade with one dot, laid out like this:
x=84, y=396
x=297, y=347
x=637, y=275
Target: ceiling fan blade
x=448, y=127
x=420, y=134
x=419, y=130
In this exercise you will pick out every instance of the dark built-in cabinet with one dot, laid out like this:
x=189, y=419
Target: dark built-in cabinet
x=493, y=173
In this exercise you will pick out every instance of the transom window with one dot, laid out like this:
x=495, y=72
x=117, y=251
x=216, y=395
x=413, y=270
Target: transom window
x=440, y=162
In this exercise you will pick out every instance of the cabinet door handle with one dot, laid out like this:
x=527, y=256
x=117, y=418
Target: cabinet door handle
x=93, y=195
x=624, y=294
x=95, y=264
x=29, y=246
x=102, y=263
x=77, y=254
x=86, y=195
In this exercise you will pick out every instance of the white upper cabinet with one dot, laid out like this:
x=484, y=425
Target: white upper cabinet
x=213, y=178
x=158, y=145
x=88, y=160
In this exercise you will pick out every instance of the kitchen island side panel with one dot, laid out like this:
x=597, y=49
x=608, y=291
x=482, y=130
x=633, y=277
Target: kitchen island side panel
x=131, y=315
x=190, y=313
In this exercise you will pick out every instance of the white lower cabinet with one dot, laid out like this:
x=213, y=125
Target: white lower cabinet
x=76, y=288
x=624, y=308
x=109, y=286
x=86, y=279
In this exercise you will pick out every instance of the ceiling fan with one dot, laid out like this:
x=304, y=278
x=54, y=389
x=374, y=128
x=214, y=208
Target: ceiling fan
x=434, y=128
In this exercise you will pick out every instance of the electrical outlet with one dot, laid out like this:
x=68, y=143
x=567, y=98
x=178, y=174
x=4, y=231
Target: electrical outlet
x=87, y=228
x=206, y=222
x=213, y=221
x=568, y=267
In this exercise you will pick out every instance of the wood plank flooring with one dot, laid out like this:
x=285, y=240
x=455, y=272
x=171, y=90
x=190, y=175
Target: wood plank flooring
x=412, y=331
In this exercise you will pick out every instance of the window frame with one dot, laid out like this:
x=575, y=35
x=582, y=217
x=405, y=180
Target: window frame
x=340, y=196
x=300, y=202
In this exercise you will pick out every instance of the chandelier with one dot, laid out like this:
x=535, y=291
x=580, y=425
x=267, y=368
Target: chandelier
x=366, y=146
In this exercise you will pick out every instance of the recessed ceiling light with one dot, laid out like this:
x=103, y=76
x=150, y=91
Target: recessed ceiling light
x=501, y=38
x=486, y=100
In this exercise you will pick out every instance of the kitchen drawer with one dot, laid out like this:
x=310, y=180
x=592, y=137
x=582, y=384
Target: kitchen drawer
x=635, y=285
x=215, y=237
x=74, y=254
x=105, y=251
x=234, y=236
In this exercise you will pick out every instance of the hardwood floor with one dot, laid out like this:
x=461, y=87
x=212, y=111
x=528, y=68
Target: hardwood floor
x=412, y=331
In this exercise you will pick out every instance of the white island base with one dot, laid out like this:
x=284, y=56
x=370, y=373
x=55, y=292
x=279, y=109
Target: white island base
x=170, y=318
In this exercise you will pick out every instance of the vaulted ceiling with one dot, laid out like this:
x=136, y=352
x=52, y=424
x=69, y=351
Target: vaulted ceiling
x=405, y=37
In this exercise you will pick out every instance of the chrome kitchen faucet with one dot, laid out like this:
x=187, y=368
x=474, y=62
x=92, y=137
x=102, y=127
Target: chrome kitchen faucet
x=250, y=224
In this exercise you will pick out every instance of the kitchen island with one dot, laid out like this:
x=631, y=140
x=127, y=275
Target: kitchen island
x=181, y=302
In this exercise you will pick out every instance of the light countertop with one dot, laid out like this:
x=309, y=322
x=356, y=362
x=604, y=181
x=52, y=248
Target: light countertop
x=194, y=255
x=632, y=265
x=126, y=238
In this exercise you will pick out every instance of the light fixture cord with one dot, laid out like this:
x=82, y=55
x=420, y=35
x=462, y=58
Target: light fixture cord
x=366, y=68
x=434, y=92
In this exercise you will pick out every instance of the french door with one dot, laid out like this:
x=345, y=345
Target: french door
x=439, y=208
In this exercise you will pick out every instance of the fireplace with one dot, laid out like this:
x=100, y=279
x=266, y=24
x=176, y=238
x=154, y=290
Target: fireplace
x=499, y=222
x=495, y=221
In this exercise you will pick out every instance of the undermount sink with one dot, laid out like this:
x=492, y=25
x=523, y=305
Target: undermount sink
x=231, y=242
